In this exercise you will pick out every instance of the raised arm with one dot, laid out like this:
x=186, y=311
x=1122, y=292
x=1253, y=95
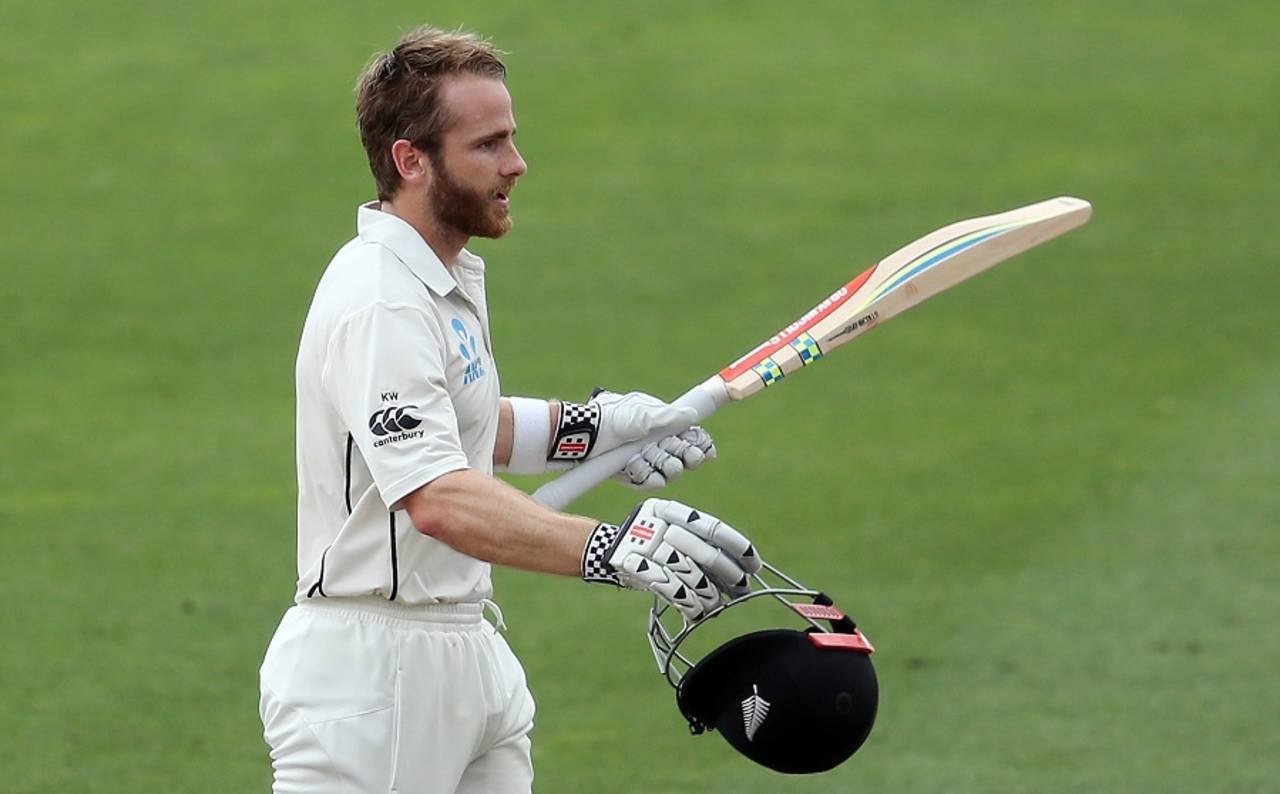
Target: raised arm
x=536, y=436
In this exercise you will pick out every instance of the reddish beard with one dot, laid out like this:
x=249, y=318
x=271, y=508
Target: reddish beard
x=470, y=211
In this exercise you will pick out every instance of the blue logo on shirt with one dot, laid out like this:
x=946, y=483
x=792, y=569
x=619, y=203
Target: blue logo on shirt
x=467, y=347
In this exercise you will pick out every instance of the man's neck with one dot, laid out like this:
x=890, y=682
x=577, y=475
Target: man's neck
x=444, y=240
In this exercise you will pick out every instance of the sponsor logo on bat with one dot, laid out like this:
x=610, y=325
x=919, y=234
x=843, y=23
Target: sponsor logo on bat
x=802, y=323
x=857, y=325
x=803, y=320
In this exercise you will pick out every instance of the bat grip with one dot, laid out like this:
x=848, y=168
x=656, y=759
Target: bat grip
x=706, y=398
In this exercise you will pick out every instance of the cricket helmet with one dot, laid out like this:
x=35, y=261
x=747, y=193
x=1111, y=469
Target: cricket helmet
x=795, y=701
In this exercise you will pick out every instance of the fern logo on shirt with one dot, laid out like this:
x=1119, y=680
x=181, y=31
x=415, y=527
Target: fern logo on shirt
x=470, y=353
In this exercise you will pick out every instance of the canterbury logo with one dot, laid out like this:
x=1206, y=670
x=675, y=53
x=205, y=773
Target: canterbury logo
x=754, y=710
x=395, y=419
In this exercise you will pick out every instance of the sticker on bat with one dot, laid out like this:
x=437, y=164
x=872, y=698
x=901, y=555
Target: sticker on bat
x=806, y=348
x=769, y=371
x=856, y=325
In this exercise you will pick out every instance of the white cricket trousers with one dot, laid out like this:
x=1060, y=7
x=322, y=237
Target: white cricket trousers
x=364, y=695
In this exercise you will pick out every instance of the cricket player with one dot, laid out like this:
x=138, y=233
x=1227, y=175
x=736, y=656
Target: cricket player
x=385, y=676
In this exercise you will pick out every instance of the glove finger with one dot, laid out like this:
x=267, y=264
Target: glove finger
x=698, y=436
x=700, y=440
x=681, y=449
x=662, y=461
x=724, y=571
x=690, y=574
x=636, y=470
x=710, y=529
x=689, y=605
x=653, y=482
x=689, y=455
x=640, y=475
x=676, y=445
x=639, y=573
x=650, y=469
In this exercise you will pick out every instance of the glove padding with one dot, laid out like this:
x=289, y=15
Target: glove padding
x=692, y=560
x=632, y=416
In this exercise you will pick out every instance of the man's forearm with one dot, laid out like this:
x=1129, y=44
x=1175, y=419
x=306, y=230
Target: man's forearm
x=485, y=518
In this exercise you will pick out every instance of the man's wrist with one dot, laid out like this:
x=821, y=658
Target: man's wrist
x=595, y=555
x=553, y=414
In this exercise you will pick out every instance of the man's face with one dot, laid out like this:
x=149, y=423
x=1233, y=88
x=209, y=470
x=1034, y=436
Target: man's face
x=477, y=165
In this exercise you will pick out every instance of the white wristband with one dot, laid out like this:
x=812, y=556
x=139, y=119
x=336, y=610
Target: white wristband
x=530, y=435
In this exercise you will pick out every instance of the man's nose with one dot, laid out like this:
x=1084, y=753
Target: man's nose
x=516, y=166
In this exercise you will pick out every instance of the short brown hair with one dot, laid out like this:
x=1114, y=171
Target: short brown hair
x=398, y=95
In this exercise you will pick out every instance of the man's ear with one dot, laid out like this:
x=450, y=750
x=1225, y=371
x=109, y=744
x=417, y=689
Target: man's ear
x=412, y=163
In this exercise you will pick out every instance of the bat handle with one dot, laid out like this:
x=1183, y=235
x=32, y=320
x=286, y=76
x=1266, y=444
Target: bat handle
x=706, y=398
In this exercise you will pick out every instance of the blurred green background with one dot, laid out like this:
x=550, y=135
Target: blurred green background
x=1049, y=496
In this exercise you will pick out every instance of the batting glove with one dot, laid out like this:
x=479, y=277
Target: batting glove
x=610, y=420
x=690, y=559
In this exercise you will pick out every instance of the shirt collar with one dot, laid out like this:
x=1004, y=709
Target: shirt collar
x=401, y=239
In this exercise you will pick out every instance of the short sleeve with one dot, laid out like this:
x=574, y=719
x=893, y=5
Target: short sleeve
x=385, y=373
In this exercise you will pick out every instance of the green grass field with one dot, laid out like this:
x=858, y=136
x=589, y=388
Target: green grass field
x=1049, y=496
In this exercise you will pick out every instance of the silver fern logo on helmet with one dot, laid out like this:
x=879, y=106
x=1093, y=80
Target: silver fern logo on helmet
x=754, y=710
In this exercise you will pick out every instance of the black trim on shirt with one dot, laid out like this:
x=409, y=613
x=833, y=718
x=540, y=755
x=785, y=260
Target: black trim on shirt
x=350, y=441
x=319, y=585
x=395, y=568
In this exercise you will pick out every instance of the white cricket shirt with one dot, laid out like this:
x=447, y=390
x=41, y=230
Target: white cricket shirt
x=396, y=386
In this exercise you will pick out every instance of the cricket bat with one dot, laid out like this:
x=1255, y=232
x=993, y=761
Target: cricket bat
x=905, y=278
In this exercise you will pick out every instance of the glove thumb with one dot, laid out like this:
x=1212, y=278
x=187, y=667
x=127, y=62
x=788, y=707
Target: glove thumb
x=668, y=418
x=637, y=419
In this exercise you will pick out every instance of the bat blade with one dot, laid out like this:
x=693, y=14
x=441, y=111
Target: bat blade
x=905, y=278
